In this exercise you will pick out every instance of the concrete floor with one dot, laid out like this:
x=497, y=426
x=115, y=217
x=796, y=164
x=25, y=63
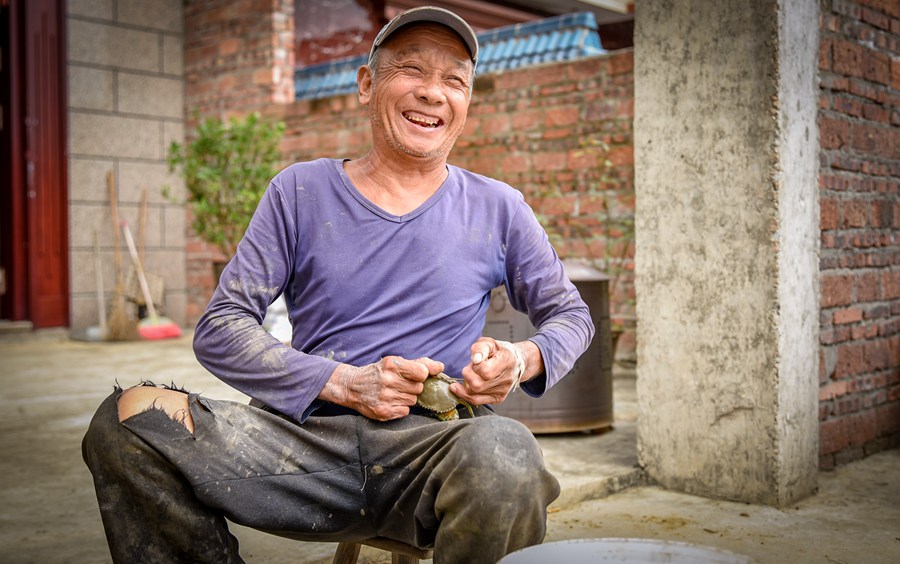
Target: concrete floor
x=48, y=512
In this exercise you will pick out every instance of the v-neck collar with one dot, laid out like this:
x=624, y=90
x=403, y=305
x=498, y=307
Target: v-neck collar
x=371, y=206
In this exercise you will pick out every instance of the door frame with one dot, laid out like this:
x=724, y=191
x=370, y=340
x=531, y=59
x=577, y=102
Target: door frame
x=21, y=302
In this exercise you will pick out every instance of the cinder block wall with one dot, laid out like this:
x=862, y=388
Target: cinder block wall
x=859, y=180
x=126, y=105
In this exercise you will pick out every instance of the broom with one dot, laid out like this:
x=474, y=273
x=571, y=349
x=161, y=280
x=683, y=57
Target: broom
x=120, y=327
x=153, y=326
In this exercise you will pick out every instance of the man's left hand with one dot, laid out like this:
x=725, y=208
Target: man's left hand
x=491, y=374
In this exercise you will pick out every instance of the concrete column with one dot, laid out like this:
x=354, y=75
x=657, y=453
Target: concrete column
x=726, y=155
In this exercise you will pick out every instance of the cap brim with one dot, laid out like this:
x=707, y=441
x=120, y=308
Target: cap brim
x=431, y=14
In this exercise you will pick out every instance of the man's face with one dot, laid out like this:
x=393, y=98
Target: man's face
x=419, y=99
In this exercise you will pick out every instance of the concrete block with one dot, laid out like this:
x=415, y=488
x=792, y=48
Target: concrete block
x=114, y=136
x=83, y=220
x=173, y=132
x=108, y=45
x=97, y=9
x=174, y=220
x=173, y=55
x=174, y=307
x=135, y=176
x=83, y=311
x=87, y=179
x=150, y=95
x=152, y=229
x=166, y=15
x=81, y=280
x=91, y=89
x=170, y=264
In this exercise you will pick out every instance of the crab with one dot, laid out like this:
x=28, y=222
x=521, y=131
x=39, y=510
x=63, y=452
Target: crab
x=437, y=398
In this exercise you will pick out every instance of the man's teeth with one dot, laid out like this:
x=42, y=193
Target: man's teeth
x=428, y=122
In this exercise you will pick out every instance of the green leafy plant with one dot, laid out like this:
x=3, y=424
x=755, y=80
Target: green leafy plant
x=226, y=168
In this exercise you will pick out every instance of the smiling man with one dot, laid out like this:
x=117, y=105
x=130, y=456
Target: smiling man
x=386, y=263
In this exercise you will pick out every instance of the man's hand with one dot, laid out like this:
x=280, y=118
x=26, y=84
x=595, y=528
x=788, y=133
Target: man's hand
x=495, y=369
x=384, y=390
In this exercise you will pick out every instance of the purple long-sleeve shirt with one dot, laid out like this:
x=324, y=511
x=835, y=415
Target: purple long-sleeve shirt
x=361, y=284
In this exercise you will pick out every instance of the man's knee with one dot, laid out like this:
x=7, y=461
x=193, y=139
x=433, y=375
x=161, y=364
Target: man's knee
x=142, y=398
x=505, y=445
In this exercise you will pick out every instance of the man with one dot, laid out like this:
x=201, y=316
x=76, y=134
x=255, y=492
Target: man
x=387, y=263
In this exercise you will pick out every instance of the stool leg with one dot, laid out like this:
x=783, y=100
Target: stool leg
x=346, y=553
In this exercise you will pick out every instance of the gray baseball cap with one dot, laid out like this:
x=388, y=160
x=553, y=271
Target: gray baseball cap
x=429, y=14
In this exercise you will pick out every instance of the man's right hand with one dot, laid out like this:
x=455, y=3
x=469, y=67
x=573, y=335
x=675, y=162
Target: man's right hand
x=384, y=390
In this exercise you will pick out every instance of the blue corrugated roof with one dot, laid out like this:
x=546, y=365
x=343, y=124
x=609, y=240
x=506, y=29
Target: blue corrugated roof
x=561, y=38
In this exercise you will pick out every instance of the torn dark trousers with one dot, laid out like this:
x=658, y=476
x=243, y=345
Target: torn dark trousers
x=474, y=489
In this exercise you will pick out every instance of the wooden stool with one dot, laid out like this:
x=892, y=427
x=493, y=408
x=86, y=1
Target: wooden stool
x=401, y=553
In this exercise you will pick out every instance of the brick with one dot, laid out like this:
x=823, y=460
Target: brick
x=832, y=390
x=854, y=213
x=878, y=354
x=883, y=214
x=825, y=46
x=866, y=287
x=875, y=18
x=833, y=436
x=833, y=134
x=890, y=285
x=829, y=216
x=848, y=58
x=527, y=120
x=837, y=289
x=888, y=417
x=849, y=315
x=864, y=332
x=850, y=360
x=495, y=125
x=848, y=106
x=556, y=117
x=864, y=427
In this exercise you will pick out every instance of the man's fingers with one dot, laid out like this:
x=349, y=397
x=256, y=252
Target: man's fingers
x=481, y=350
x=412, y=370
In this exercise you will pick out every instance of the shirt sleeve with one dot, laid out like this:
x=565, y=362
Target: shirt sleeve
x=538, y=285
x=230, y=341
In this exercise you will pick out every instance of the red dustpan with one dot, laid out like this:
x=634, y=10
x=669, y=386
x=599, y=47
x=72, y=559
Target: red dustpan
x=153, y=326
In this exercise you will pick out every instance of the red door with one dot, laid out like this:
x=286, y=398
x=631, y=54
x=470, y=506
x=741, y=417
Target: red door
x=35, y=232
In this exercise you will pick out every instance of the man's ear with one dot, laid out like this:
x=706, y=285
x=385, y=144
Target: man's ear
x=364, y=84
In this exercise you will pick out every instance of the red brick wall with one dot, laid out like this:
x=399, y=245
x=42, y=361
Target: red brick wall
x=238, y=54
x=859, y=180
x=527, y=127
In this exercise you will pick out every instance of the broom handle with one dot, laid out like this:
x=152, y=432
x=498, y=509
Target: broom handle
x=98, y=277
x=140, y=271
x=114, y=210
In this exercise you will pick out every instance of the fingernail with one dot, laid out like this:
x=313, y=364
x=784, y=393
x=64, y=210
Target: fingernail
x=477, y=358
